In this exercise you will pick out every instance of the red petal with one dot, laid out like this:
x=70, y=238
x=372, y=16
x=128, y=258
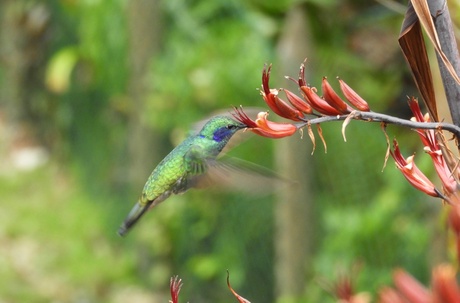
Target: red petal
x=272, y=129
x=242, y=117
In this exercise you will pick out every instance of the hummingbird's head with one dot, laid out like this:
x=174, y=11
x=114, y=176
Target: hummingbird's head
x=220, y=128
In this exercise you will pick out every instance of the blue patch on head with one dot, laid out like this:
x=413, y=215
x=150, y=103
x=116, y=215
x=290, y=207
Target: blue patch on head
x=221, y=134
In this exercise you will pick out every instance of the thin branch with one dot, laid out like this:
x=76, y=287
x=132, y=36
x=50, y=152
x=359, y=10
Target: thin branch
x=377, y=117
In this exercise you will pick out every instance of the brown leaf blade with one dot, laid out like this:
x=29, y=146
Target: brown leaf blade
x=423, y=12
x=413, y=47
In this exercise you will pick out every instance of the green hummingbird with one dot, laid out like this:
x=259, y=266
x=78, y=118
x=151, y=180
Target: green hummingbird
x=188, y=165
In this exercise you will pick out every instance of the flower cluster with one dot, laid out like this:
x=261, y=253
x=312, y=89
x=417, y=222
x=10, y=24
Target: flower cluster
x=299, y=110
x=296, y=108
x=434, y=145
x=434, y=148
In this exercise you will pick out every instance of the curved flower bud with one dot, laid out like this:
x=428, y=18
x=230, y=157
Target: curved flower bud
x=297, y=102
x=333, y=99
x=352, y=97
x=262, y=127
x=279, y=106
x=317, y=102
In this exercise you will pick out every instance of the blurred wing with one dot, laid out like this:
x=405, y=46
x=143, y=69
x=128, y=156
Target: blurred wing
x=238, y=175
x=195, y=162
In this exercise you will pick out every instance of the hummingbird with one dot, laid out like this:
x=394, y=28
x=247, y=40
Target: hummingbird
x=187, y=166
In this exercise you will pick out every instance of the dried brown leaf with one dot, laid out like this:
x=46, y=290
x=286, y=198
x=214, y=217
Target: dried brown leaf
x=414, y=50
x=312, y=137
x=320, y=133
x=345, y=124
x=387, y=154
x=238, y=297
x=423, y=12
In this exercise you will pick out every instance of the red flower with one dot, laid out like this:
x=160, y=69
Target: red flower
x=432, y=148
x=309, y=94
x=175, y=285
x=262, y=127
x=279, y=106
x=412, y=173
x=444, y=284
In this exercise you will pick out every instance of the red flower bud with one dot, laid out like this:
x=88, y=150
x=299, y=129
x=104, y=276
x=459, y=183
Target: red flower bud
x=297, y=102
x=333, y=99
x=353, y=97
x=317, y=102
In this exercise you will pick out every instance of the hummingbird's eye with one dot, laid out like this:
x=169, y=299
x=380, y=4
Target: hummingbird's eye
x=231, y=126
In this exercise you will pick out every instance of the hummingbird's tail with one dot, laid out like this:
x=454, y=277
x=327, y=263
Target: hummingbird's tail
x=134, y=215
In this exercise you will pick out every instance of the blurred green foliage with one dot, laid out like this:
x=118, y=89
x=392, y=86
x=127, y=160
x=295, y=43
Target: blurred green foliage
x=58, y=222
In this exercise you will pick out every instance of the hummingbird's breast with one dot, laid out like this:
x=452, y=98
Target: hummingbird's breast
x=170, y=176
x=167, y=173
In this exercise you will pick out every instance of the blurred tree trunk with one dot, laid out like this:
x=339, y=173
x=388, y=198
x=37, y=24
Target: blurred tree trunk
x=144, y=26
x=144, y=30
x=294, y=208
x=23, y=46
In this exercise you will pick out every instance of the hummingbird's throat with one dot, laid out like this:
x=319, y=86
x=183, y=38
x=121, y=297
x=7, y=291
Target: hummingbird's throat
x=222, y=133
